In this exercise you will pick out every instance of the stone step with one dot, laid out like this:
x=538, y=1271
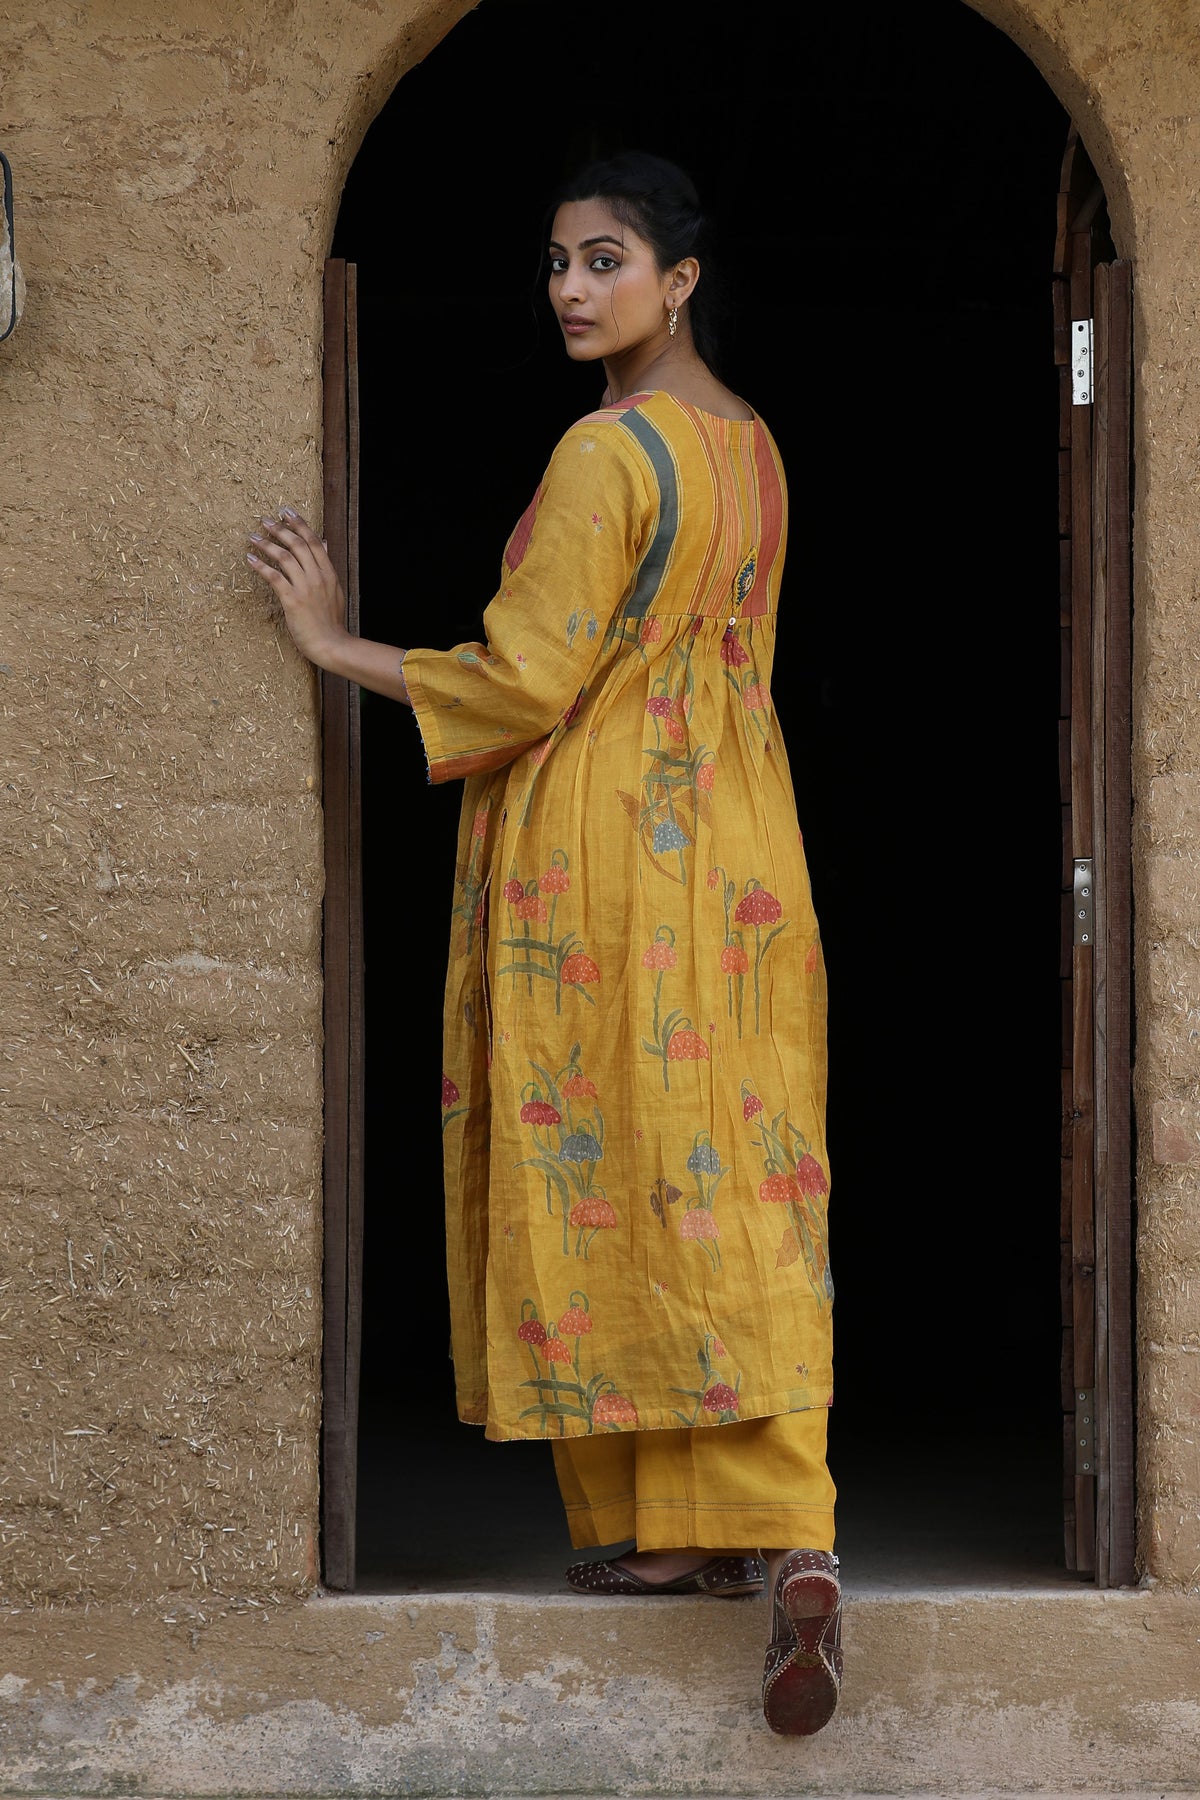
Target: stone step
x=1066, y=1691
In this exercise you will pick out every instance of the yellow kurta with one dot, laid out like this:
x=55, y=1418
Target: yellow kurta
x=634, y=1089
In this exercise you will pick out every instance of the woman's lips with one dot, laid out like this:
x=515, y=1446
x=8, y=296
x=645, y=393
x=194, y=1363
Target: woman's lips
x=576, y=326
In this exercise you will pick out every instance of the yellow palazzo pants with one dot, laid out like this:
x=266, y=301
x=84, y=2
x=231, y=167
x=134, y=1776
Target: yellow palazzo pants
x=759, y=1483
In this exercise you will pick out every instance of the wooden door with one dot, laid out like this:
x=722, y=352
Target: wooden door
x=343, y=955
x=1093, y=350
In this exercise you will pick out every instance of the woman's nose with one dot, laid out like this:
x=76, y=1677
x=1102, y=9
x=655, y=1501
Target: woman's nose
x=572, y=283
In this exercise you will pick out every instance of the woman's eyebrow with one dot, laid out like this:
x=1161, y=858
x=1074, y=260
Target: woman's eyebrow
x=589, y=243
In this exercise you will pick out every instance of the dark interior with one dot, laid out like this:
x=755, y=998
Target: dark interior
x=885, y=186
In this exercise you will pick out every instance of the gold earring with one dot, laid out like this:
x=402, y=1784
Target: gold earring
x=672, y=320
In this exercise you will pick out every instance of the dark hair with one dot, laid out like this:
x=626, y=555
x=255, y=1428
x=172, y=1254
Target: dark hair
x=658, y=200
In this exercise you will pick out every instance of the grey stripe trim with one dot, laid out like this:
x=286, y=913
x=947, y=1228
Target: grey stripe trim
x=649, y=576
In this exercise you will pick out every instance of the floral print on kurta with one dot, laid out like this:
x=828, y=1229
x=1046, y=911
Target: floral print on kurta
x=633, y=1092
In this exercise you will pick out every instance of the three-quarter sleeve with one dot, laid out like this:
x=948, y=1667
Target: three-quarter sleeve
x=568, y=569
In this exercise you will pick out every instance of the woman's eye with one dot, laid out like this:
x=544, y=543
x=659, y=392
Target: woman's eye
x=558, y=265
x=604, y=263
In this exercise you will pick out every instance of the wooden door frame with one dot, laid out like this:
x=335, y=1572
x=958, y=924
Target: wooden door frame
x=342, y=937
x=1112, y=602
x=1093, y=295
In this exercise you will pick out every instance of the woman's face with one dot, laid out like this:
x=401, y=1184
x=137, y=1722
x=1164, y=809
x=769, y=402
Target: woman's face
x=605, y=285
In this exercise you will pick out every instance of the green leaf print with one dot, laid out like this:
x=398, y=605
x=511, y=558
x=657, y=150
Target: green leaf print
x=714, y=1396
x=568, y=1145
x=561, y=960
x=758, y=910
x=796, y=1180
x=698, y=1223
x=560, y=1397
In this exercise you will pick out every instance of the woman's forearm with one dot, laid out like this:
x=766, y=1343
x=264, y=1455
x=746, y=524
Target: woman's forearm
x=371, y=665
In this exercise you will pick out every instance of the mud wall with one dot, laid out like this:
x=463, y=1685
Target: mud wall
x=177, y=173
x=177, y=176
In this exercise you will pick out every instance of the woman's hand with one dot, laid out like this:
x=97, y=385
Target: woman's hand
x=295, y=564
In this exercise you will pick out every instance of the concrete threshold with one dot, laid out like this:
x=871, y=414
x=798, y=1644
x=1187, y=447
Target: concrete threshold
x=1053, y=1690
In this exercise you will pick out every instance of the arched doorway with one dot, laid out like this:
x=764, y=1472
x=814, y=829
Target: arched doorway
x=888, y=239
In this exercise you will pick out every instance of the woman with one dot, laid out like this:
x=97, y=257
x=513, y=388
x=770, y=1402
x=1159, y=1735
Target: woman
x=635, y=1013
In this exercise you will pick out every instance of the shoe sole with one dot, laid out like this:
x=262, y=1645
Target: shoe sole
x=802, y=1695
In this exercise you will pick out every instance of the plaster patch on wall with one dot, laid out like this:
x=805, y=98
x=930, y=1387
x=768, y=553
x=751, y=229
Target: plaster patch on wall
x=1176, y=1132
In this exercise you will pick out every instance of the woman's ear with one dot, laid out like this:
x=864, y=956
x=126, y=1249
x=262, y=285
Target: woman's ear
x=684, y=277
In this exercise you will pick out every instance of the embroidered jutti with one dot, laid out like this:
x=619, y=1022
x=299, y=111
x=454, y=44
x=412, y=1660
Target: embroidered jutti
x=634, y=1090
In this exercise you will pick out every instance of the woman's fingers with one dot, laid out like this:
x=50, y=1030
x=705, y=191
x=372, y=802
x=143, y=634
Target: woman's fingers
x=290, y=551
x=300, y=525
x=294, y=563
x=275, y=578
x=295, y=526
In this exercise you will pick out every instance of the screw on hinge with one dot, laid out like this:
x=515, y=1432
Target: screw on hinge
x=1085, y=1431
x=1084, y=902
x=1081, y=362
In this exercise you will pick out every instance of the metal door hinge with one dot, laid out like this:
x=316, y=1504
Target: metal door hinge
x=1085, y=1431
x=1085, y=901
x=1081, y=362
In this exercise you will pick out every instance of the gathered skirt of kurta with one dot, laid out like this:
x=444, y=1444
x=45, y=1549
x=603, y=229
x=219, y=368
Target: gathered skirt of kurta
x=633, y=1097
